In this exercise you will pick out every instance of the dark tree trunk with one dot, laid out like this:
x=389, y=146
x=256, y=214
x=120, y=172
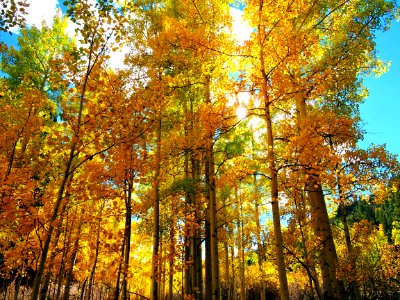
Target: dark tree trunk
x=156, y=218
x=96, y=256
x=127, y=236
x=117, y=287
x=69, y=276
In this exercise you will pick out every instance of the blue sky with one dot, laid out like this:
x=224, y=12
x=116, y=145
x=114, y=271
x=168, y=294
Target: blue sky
x=381, y=110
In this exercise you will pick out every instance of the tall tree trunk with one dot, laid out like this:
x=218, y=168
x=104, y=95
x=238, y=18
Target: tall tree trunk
x=127, y=235
x=171, y=260
x=197, y=275
x=322, y=255
x=188, y=239
x=195, y=240
x=241, y=250
x=208, y=249
x=96, y=256
x=188, y=284
x=83, y=290
x=164, y=275
x=160, y=267
x=226, y=252
x=117, y=287
x=227, y=268
x=199, y=267
x=212, y=206
x=259, y=244
x=46, y=282
x=321, y=225
x=301, y=216
x=234, y=289
x=273, y=173
x=17, y=285
x=208, y=277
x=232, y=285
x=69, y=276
x=66, y=249
x=156, y=217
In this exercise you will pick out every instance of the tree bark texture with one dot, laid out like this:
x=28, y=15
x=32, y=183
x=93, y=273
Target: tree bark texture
x=156, y=218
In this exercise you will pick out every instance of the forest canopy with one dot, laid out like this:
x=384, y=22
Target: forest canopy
x=217, y=159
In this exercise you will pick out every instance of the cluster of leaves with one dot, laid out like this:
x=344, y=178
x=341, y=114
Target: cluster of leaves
x=12, y=14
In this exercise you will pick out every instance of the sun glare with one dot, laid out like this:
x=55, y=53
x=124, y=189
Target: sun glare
x=240, y=29
x=241, y=112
